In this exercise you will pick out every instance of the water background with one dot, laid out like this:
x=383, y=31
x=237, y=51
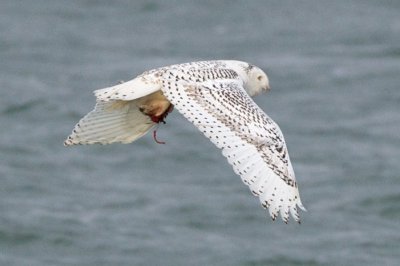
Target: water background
x=334, y=68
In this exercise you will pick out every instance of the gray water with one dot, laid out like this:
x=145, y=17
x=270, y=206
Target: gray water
x=334, y=68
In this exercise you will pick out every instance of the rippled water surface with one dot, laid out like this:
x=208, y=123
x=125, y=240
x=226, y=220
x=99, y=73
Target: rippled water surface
x=334, y=70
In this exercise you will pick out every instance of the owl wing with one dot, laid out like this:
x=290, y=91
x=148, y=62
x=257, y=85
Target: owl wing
x=111, y=121
x=249, y=139
x=116, y=116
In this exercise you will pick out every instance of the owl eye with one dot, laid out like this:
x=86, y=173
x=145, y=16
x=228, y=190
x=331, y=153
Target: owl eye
x=259, y=77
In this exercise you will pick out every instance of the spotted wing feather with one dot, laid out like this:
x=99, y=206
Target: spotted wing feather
x=251, y=141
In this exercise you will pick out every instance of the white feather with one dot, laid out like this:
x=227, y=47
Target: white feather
x=136, y=88
x=111, y=122
x=225, y=113
x=214, y=96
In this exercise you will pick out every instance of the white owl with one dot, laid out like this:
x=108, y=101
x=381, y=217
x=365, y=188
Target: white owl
x=214, y=96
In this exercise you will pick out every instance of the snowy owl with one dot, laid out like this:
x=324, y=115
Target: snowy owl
x=214, y=96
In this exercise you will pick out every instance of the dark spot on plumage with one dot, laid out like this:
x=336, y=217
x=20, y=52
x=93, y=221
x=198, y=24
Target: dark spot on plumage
x=279, y=148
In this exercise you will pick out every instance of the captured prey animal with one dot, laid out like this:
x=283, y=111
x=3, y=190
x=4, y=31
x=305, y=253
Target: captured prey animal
x=215, y=97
